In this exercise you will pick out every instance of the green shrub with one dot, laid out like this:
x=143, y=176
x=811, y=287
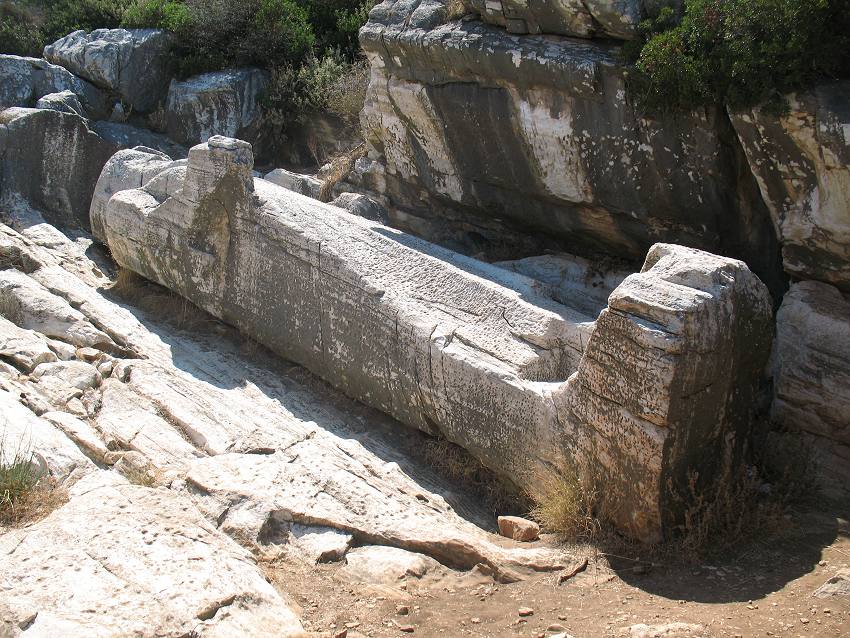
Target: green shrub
x=19, y=33
x=741, y=52
x=66, y=16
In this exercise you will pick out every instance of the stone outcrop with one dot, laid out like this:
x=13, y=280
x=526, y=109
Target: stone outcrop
x=597, y=18
x=52, y=161
x=64, y=102
x=128, y=136
x=220, y=103
x=565, y=156
x=304, y=184
x=812, y=377
x=801, y=161
x=134, y=65
x=457, y=347
x=24, y=81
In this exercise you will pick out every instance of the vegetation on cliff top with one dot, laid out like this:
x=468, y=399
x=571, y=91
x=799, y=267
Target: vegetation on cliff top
x=738, y=52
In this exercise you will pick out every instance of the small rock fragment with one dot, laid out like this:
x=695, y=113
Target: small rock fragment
x=519, y=529
x=526, y=611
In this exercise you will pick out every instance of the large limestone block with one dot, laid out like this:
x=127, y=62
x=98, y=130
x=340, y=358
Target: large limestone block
x=668, y=383
x=812, y=376
x=128, y=560
x=64, y=102
x=458, y=347
x=802, y=164
x=133, y=64
x=220, y=103
x=535, y=136
x=23, y=81
x=51, y=160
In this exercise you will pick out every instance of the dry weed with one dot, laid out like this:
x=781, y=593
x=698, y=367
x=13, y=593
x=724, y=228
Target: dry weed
x=27, y=492
x=159, y=301
x=565, y=503
x=341, y=166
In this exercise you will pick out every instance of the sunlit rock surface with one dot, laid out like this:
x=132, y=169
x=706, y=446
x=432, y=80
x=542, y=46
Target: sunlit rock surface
x=458, y=347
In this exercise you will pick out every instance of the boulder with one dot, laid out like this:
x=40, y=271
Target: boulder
x=566, y=163
x=362, y=206
x=304, y=184
x=461, y=348
x=811, y=373
x=51, y=160
x=23, y=81
x=220, y=103
x=837, y=585
x=801, y=161
x=64, y=102
x=132, y=64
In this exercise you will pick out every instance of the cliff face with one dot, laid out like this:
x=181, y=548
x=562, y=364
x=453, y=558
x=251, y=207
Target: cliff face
x=534, y=134
x=491, y=126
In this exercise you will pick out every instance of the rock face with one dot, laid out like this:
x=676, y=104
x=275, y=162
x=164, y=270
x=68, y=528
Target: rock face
x=304, y=184
x=802, y=164
x=458, y=347
x=64, y=102
x=220, y=103
x=565, y=156
x=132, y=64
x=23, y=81
x=51, y=160
x=603, y=18
x=812, y=377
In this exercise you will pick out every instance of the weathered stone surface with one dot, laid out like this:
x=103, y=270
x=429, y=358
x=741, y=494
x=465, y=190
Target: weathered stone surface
x=24, y=349
x=668, y=380
x=451, y=345
x=219, y=103
x=386, y=565
x=23, y=81
x=565, y=159
x=362, y=206
x=133, y=64
x=304, y=184
x=668, y=630
x=32, y=307
x=596, y=18
x=519, y=529
x=811, y=371
x=321, y=544
x=838, y=585
x=270, y=456
x=802, y=164
x=128, y=136
x=129, y=560
x=127, y=169
x=64, y=102
x=51, y=160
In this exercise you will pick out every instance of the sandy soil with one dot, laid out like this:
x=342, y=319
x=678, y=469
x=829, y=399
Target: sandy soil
x=761, y=590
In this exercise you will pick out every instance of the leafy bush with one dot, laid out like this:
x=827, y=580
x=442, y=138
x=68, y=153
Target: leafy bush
x=66, y=16
x=19, y=34
x=740, y=52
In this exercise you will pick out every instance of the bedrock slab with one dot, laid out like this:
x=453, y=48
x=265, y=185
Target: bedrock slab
x=469, y=127
x=457, y=347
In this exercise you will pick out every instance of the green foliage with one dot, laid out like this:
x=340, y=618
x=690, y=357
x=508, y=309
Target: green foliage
x=65, y=16
x=740, y=52
x=19, y=34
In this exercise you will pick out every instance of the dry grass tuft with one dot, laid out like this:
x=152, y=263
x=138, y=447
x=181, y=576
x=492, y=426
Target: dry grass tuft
x=459, y=466
x=341, y=166
x=27, y=492
x=566, y=504
x=159, y=301
x=456, y=9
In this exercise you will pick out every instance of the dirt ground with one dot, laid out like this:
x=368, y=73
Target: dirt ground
x=764, y=589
